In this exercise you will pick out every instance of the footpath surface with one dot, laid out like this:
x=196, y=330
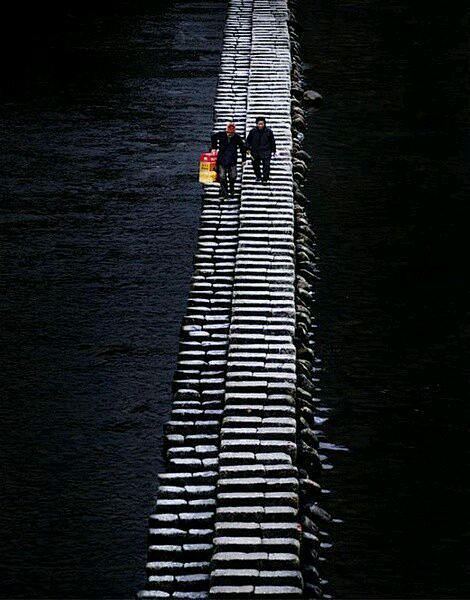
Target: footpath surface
x=226, y=521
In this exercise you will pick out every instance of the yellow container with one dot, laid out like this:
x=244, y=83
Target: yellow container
x=208, y=167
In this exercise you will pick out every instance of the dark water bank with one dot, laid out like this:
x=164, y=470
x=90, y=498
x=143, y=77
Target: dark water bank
x=388, y=195
x=102, y=123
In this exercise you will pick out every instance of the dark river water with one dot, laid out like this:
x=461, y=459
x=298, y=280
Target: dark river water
x=388, y=199
x=99, y=215
x=103, y=116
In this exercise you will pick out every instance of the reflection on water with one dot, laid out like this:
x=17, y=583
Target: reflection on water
x=387, y=192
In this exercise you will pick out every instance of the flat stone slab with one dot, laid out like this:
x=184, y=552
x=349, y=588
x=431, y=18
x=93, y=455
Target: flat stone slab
x=277, y=591
x=151, y=594
x=232, y=591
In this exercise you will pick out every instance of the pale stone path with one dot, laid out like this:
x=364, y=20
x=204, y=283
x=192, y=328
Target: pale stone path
x=226, y=518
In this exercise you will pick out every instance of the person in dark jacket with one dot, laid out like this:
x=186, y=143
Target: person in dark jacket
x=227, y=142
x=261, y=144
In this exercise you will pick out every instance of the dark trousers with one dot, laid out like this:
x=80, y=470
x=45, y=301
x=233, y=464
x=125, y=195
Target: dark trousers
x=266, y=160
x=227, y=177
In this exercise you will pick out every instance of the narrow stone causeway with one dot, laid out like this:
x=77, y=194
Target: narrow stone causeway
x=240, y=446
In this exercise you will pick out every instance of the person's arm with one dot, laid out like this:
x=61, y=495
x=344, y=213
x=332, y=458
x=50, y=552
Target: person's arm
x=214, y=140
x=249, y=140
x=242, y=147
x=273, y=142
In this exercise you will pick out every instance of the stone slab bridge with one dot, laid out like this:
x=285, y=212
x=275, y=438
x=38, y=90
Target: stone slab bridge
x=237, y=513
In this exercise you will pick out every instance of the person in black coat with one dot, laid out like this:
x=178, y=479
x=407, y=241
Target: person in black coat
x=261, y=144
x=227, y=142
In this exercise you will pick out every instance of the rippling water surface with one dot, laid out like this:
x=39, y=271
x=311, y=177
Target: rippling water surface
x=103, y=117
x=102, y=125
x=388, y=200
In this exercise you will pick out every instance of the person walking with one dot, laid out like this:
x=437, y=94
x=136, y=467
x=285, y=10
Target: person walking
x=227, y=142
x=262, y=145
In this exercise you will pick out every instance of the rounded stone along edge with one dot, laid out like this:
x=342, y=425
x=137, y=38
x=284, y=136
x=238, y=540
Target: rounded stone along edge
x=312, y=517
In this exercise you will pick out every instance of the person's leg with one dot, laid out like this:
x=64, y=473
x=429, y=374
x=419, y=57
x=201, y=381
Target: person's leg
x=232, y=179
x=266, y=167
x=256, y=166
x=223, y=181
